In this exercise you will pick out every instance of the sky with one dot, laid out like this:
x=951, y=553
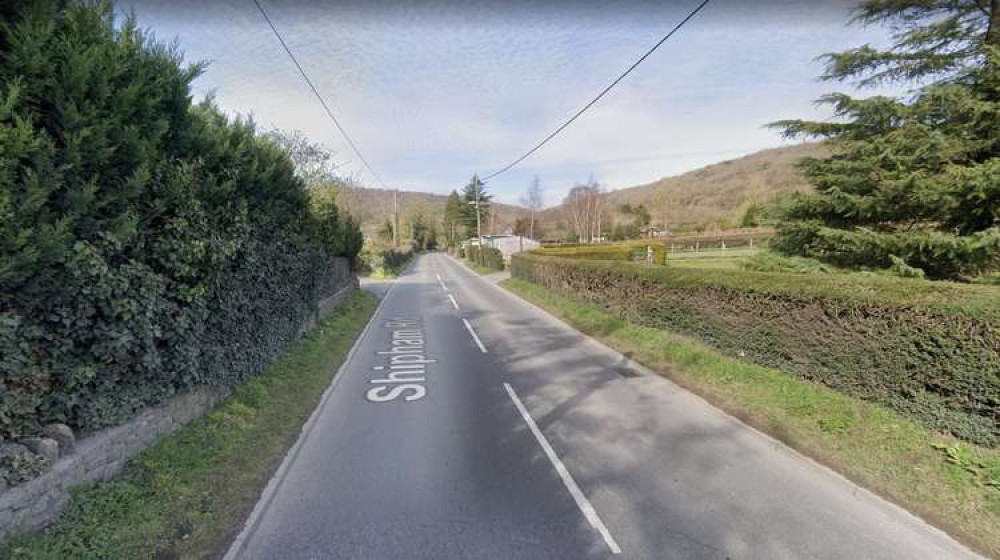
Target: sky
x=434, y=91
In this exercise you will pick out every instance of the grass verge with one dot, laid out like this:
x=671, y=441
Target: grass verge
x=478, y=268
x=954, y=485
x=188, y=496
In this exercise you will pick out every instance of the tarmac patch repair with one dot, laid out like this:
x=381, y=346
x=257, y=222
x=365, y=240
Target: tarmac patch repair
x=405, y=375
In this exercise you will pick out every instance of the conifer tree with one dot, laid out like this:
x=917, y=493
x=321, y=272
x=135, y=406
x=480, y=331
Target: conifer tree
x=475, y=197
x=913, y=179
x=452, y=218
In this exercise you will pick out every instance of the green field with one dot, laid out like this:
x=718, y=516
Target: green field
x=728, y=259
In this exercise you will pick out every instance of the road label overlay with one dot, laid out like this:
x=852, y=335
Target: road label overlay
x=404, y=377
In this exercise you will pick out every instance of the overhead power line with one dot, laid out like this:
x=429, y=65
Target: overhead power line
x=600, y=95
x=319, y=97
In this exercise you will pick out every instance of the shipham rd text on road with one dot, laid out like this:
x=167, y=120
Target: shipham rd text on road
x=405, y=376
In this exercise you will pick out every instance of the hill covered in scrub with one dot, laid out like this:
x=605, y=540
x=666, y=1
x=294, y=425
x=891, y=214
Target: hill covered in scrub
x=717, y=196
x=372, y=207
x=713, y=197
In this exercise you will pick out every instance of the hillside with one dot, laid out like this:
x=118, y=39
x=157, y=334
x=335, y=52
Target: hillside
x=713, y=197
x=716, y=196
x=374, y=206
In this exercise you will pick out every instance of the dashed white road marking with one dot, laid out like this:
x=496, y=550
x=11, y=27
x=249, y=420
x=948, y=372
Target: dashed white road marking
x=442, y=282
x=453, y=302
x=581, y=500
x=474, y=335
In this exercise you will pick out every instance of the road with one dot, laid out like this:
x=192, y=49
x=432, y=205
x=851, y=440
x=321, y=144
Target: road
x=466, y=423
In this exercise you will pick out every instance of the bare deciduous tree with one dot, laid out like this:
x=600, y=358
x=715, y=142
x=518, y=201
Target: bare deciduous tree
x=584, y=208
x=532, y=200
x=313, y=162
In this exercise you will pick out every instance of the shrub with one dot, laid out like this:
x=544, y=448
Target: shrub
x=939, y=255
x=618, y=252
x=929, y=350
x=772, y=262
x=146, y=245
x=385, y=261
x=488, y=257
x=900, y=268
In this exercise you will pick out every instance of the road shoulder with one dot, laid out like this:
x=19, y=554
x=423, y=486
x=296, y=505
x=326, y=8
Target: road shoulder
x=868, y=454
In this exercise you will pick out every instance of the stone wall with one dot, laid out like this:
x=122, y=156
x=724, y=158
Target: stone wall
x=32, y=505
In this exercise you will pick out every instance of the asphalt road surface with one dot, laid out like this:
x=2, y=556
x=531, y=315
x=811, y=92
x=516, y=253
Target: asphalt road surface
x=469, y=424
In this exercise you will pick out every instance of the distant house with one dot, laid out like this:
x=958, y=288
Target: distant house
x=653, y=232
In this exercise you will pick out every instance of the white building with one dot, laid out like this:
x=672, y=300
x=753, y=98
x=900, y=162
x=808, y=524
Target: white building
x=507, y=244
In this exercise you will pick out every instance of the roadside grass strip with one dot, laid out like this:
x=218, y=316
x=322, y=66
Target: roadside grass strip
x=952, y=484
x=189, y=495
x=478, y=268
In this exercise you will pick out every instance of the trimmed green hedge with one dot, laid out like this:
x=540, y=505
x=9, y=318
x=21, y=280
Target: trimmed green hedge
x=930, y=350
x=488, y=257
x=621, y=252
x=146, y=245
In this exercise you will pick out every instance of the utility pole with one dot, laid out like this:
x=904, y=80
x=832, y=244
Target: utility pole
x=395, y=220
x=479, y=225
x=477, y=186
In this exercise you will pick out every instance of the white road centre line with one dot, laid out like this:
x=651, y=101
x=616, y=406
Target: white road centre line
x=442, y=282
x=581, y=500
x=474, y=335
x=453, y=302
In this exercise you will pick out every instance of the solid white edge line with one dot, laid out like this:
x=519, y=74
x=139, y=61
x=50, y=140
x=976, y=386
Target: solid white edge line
x=854, y=488
x=236, y=548
x=453, y=302
x=581, y=500
x=442, y=282
x=474, y=335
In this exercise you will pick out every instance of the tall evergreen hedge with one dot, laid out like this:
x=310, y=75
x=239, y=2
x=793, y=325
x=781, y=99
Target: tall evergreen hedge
x=930, y=350
x=146, y=244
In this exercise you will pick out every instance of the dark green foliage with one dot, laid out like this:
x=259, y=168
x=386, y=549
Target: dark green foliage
x=452, y=218
x=640, y=219
x=486, y=256
x=900, y=268
x=146, y=245
x=755, y=215
x=421, y=232
x=919, y=177
x=339, y=236
x=933, y=40
x=940, y=255
x=18, y=468
x=474, y=197
x=928, y=350
x=384, y=261
x=208, y=474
